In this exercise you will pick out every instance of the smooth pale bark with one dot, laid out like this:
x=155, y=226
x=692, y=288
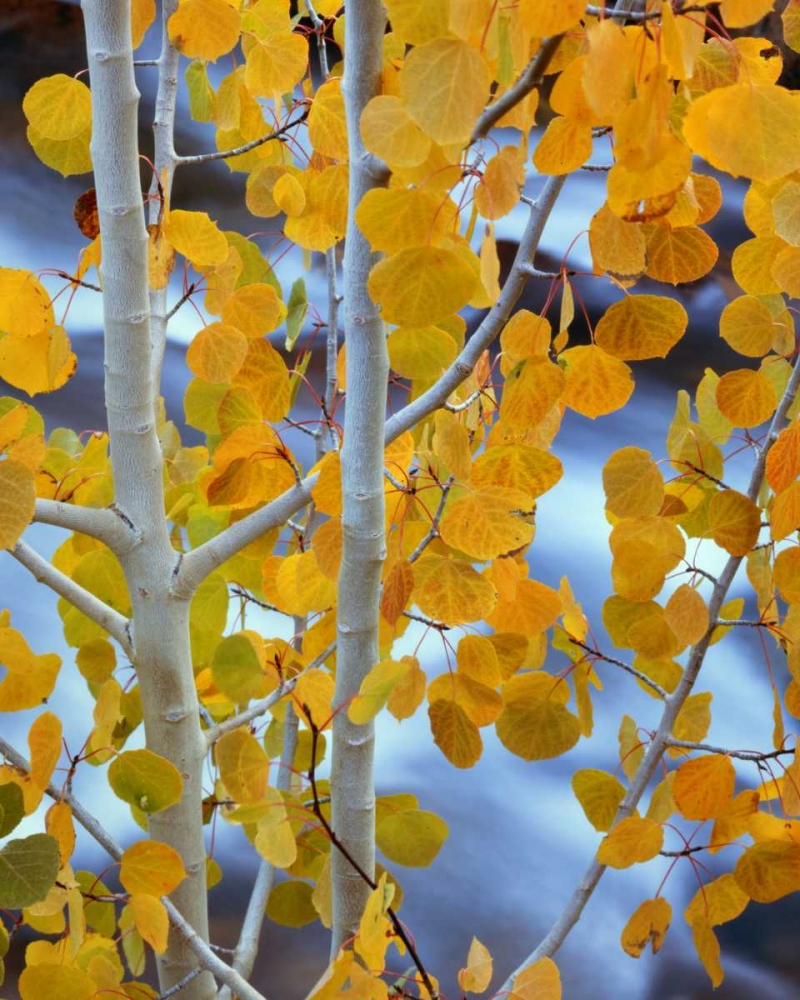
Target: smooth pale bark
x=363, y=542
x=161, y=652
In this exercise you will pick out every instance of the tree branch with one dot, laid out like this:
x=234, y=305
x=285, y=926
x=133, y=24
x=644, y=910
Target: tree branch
x=209, y=961
x=529, y=79
x=752, y=755
x=661, y=738
x=104, y=524
x=117, y=626
x=656, y=688
x=226, y=154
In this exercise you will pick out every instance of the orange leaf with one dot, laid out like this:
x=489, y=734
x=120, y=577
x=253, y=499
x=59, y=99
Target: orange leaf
x=734, y=521
x=641, y=326
x=648, y=924
x=631, y=841
x=152, y=868
x=454, y=733
x=633, y=484
x=704, y=786
x=596, y=383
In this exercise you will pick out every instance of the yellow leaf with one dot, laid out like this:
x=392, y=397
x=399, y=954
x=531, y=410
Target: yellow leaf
x=327, y=127
x=534, y=726
x=488, y=522
x=44, y=740
x=550, y=17
x=421, y=285
x=194, y=235
x=417, y=23
x=276, y=63
x=411, y=837
x=596, y=382
x=143, y=13
x=243, y=765
x=783, y=458
x=540, y=981
x=704, y=786
x=753, y=263
x=450, y=591
x=275, y=841
x=152, y=868
x=599, y=794
x=374, y=929
x=396, y=219
x=17, y=501
x=217, y=353
x=648, y=924
x=51, y=979
x=746, y=397
x=290, y=904
x=375, y=689
x=632, y=841
x=679, y=255
x=633, y=484
x=607, y=72
x=58, y=823
x=617, y=246
x=40, y=363
x=408, y=694
x=707, y=945
x=765, y=143
x=266, y=378
x=254, y=309
x=641, y=326
x=498, y=191
x=29, y=679
x=517, y=467
x=446, y=85
x=786, y=574
x=741, y=13
x=687, y=615
x=565, y=146
x=421, y=352
x=477, y=975
x=160, y=256
x=734, y=521
x=324, y=219
x=67, y=156
x=205, y=29
x=25, y=307
x=390, y=133
x=455, y=733
x=58, y=107
x=717, y=902
x=289, y=195
x=784, y=518
x=314, y=691
x=482, y=704
x=151, y=920
x=746, y=324
x=531, y=391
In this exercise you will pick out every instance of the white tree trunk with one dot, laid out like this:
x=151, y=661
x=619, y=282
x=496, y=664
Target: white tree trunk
x=161, y=652
x=363, y=551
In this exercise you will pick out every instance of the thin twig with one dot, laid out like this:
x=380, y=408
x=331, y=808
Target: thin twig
x=399, y=930
x=434, y=528
x=752, y=755
x=173, y=990
x=597, y=655
x=183, y=299
x=226, y=154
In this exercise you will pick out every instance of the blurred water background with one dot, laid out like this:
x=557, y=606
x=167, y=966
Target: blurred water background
x=518, y=841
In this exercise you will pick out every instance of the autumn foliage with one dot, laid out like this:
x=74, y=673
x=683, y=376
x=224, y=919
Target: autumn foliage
x=665, y=97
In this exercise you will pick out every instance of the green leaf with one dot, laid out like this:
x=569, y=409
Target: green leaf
x=12, y=807
x=290, y=905
x=28, y=868
x=144, y=779
x=201, y=96
x=297, y=306
x=412, y=837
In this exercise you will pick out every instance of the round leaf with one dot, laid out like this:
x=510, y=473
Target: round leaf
x=145, y=780
x=412, y=837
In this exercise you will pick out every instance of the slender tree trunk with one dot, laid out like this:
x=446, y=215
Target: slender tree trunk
x=363, y=551
x=161, y=651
